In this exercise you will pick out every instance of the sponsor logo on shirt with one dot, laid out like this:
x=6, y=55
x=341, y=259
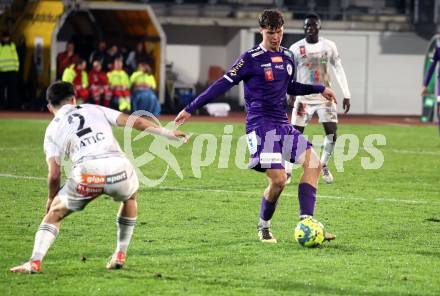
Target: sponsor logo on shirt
x=281, y=67
x=268, y=74
x=324, y=59
x=255, y=54
x=266, y=65
x=277, y=59
x=234, y=70
x=289, y=69
x=302, y=50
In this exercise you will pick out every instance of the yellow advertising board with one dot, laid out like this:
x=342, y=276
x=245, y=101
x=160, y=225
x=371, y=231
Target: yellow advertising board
x=35, y=28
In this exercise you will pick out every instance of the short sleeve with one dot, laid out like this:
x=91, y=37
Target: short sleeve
x=51, y=149
x=110, y=114
x=240, y=70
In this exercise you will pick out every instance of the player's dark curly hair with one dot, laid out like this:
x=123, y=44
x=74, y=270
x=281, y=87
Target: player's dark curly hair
x=272, y=19
x=58, y=92
x=313, y=16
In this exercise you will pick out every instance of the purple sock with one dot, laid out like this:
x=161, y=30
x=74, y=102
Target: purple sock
x=307, y=199
x=267, y=209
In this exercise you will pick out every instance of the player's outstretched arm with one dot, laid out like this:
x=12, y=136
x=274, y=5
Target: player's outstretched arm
x=215, y=90
x=53, y=180
x=299, y=89
x=182, y=117
x=329, y=94
x=142, y=124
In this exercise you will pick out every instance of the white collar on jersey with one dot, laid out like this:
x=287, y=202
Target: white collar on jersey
x=65, y=109
x=265, y=50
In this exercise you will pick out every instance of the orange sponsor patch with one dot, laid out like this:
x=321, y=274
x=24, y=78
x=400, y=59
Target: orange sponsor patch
x=268, y=74
x=276, y=59
x=93, y=179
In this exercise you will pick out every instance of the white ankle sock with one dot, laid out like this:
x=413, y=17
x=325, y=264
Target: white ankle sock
x=264, y=223
x=125, y=231
x=44, y=238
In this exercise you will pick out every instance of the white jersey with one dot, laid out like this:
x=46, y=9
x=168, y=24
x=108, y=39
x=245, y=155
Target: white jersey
x=312, y=63
x=81, y=131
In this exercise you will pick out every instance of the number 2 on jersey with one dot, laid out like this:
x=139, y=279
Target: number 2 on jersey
x=81, y=130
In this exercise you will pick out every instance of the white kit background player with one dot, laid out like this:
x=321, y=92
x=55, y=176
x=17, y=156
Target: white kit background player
x=84, y=134
x=313, y=56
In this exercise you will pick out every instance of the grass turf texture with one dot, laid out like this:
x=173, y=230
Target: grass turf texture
x=198, y=236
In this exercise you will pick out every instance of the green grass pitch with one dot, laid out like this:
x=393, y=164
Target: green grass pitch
x=198, y=236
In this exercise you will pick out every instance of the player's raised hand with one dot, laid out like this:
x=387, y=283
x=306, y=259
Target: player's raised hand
x=424, y=91
x=346, y=105
x=329, y=94
x=182, y=117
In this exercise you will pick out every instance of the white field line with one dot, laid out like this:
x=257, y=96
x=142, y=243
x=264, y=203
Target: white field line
x=243, y=192
x=22, y=177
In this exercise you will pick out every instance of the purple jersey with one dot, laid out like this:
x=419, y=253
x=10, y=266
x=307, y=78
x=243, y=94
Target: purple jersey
x=267, y=77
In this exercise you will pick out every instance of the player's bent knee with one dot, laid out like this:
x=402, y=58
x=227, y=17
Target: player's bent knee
x=312, y=160
x=279, y=182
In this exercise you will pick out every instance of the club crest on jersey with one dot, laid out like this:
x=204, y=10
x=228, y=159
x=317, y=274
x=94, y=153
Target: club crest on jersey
x=234, y=70
x=289, y=69
x=302, y=50
x=276, y=59
x=268, y=74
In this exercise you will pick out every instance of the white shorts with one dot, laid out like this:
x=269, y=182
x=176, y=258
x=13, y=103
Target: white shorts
x=114, y=176
x=302, y=112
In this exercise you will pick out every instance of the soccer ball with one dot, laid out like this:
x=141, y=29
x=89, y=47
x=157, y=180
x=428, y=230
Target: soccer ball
x=309, y=233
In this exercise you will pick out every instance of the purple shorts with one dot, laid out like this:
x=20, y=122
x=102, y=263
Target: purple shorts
x=271, y=145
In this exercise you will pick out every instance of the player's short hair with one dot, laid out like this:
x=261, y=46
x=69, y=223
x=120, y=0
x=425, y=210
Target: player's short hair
x=272, y=19
x=58, y=92
x=313, y=15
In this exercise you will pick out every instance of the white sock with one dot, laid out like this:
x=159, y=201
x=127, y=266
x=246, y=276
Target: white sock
x=288, y=166
x=329, y=146
x=44, y=238
x=264, y=223
x=125, y=231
